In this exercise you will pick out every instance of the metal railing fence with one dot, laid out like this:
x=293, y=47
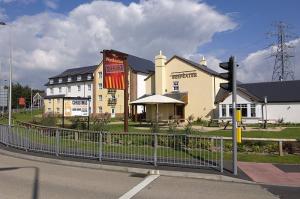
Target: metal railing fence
x=156, y=149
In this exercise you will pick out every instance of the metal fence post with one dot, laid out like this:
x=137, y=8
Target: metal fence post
x=155, y=150
x=57, y=142
x=26, y=142
x=100, y=147
x=221, y=160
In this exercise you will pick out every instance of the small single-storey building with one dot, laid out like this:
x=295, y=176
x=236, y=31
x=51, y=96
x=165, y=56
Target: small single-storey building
x=271, y=101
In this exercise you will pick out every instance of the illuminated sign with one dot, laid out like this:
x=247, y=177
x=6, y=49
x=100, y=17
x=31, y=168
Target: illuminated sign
x=184, y=74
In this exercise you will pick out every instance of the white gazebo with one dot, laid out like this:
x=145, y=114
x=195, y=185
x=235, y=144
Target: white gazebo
x=156, y=100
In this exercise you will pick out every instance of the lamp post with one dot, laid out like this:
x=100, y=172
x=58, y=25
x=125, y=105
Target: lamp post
x=10, y=77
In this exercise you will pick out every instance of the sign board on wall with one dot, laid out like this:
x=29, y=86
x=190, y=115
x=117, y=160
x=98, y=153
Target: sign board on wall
x=113, y=70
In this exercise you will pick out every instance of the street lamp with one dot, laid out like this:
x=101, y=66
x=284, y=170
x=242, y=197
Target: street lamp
x=10, y=76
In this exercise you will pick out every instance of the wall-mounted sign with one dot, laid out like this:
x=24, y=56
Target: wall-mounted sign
x=184, y=74
x=113, y=70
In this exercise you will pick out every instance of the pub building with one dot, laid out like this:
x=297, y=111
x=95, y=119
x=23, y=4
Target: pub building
x=179, y=88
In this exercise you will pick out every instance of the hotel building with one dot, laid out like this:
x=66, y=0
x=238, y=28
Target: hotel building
x=79, y=91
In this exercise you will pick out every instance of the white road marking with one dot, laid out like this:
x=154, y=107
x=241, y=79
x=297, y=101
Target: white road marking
x=132, y=192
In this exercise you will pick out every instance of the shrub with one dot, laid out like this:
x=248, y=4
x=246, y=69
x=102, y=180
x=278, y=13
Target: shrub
x=48, y=121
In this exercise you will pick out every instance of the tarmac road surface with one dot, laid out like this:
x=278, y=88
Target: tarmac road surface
x=20, y=178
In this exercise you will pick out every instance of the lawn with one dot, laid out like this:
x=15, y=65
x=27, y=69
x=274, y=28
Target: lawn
x=288, y=133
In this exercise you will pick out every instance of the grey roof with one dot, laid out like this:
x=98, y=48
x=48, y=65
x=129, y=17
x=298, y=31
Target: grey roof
x=196, y=65
x=140, y=65
x=77, y=71
x=276, y=92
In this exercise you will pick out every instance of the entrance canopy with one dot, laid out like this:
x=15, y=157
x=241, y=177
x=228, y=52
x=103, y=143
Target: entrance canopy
x=156, y=99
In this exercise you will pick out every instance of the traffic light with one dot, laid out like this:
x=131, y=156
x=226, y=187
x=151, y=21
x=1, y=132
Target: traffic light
x=229, y=66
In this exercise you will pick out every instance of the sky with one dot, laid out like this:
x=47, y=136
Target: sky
x=49, y=36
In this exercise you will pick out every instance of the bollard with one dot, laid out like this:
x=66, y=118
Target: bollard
x=280, y=148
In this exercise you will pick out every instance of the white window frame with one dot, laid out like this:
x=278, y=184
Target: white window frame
x=51, y=90
x=69, y=79
x=100, y=85
x=89, y=77
x=100, y=97
x=78, y=87
x=175, y=86
x=89, y=87
x=59, y=89
x=60, y=80
x=78, y=77
x=51, y=81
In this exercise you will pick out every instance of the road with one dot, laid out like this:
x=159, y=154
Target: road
x=20, y=178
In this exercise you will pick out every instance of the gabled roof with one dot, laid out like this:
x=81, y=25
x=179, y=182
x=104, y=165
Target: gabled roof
x=196, y=65
x=77, y=71
x=276, y=92
x=140, y=65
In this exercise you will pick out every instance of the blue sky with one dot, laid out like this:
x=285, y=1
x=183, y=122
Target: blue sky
x=238, y=27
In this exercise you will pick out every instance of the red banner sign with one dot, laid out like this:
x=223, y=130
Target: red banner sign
x=22, y=101
x=114, y=70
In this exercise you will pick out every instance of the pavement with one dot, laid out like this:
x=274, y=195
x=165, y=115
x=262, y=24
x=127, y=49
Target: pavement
x=272, y=174
x=21, y=178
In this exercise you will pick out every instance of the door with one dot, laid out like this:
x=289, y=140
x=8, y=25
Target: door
x=113, y=114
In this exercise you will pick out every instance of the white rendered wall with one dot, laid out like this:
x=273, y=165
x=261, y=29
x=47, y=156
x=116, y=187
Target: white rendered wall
x=289, y=112
x=141, y=88
x=84, y=91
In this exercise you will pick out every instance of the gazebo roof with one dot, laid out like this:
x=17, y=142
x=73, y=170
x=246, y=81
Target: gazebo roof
x=156, y=99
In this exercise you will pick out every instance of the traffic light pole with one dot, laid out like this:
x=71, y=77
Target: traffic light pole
x=234, y=124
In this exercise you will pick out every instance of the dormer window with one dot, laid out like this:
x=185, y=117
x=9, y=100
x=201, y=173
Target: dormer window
x=69, y=79
x=60, y=80
x=79, y=78
x=89, y=77
x=51, y=81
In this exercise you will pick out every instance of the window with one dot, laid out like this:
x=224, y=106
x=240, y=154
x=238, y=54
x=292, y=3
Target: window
x=69, y=89
x=59, y=89
x=57, y=109
x=253, y=111
x=49, y=101
x=51, y=90
x=51, y=81
x=223, y=110
x=69, y=79
x=89, y=77
x=78, y=88
x=100, y=97
x=175, y=86
x=60, y=80
x=90, y=87
x=79, y=78
x=243, y=108
x=100, y=86
x=49, y=109
x=100, y=109
x=89, y=96
x=100, y=75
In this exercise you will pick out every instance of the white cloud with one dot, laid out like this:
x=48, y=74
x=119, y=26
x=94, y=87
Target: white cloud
x=51, y=4
x=258, y=66
x=3, y=15
x=47, y=43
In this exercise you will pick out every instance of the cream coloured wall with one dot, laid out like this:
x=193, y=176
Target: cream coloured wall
x=150, y=84
x=201, y=89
